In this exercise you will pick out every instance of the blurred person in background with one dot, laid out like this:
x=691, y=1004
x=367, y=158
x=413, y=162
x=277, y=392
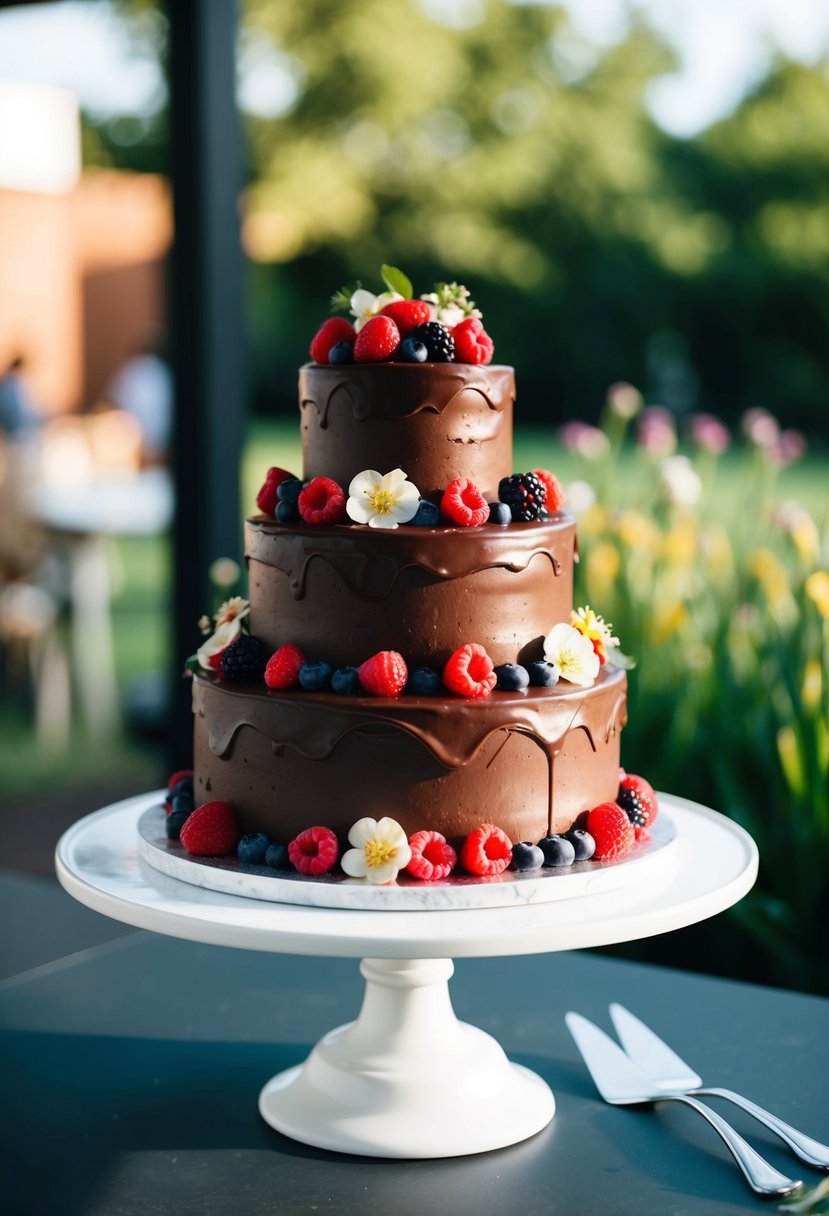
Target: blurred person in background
x=143, y=388
x=18, y=416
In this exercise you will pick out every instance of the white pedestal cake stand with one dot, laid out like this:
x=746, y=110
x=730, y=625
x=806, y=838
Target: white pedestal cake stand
x=406, y=1079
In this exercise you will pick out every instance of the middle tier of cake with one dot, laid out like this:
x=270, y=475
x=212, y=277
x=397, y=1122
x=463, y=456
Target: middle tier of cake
x=342, y=593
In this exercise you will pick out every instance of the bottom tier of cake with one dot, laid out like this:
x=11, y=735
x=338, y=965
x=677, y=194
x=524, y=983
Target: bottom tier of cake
x=531, y=763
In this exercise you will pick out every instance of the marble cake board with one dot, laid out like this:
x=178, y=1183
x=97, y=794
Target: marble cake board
x=648, y=862
x=407, y=1079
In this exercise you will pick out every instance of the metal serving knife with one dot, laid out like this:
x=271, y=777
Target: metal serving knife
x=621, y=1083
x=667, y=1071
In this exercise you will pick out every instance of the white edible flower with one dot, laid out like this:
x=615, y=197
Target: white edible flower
x=365, y=305
x=236, y=608
x=573, y=654
x=226, y=633
x=382, y=500
x=380, y=850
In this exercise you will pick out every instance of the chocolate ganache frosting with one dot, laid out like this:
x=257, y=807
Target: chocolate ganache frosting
x=531, y=762
x=420, y=591
x=436, y=421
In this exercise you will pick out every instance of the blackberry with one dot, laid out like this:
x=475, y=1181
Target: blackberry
x=244, y=660
x=524, y=494
x=437, y=339
x=633, y=806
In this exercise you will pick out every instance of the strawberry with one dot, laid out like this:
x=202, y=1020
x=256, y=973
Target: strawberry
x=554, y=497
x=211, y=830
x=332, y=331
x=432, y=858
x=322, y=501
x=377, y=340
x=638, y=800
x=384, y=674
x=486, y=851
x=611, y=829
x=406, y=314
x=472, y=343
x=314, y=851
x=464, y=504
x=469, y=672
x=266, y=498
x=282, y=668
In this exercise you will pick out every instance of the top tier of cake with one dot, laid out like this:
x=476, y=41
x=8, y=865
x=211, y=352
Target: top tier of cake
x=436, y=421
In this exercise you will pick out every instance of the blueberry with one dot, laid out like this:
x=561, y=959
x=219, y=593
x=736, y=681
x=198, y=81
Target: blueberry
x=557, y=851
x=526, y=856
x=287, y=512
x=412, y=351
x=582, y=842
x=315, y=676
x=499, y=513
x=424, y=682
x=252, y=848
x=289, y=489
x=183, y=786
x=175, y=822
x=276, y=856
x=428, y=515
x=182, y=802
x=346, y=682
x=543, y=675
x=511, y=677
x=341, y=352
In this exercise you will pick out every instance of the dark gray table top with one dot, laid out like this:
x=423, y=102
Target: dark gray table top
x=132, y=1067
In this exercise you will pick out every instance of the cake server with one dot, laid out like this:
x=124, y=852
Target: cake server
x=668, y=1072
x=621, y=1083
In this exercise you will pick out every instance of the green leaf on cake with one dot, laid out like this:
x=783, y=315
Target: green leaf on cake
x=616, y=658
x=192, y=663
x=397, y=281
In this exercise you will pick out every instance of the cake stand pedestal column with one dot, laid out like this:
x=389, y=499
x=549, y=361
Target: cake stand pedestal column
x=407, y=1078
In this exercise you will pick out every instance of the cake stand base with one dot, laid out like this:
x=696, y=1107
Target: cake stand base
x=407, y=1079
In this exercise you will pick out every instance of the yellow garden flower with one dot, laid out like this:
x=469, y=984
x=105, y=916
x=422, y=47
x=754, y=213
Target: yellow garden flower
x=817, y=589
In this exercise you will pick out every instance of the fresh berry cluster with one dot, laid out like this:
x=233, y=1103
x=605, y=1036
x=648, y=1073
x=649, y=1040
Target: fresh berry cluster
x=442, y=326
x=609, y=831
x=469, y=672
x=522, y=497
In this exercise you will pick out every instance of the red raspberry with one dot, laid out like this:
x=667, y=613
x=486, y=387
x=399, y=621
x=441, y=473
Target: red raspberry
x=486, y=851
x=406, y=314
x=179, y=775
x=335, y=329
x=211, y=830
x=314, y=851
x=266, y=498
x=637, y=799
x=469, y=672
x=611, y=829
x=322, y=501
x=377, y=340
x=554, y=498
x=472, y=343
x=384, y=674
x=464, y=504
x=282, y=670
x=432, y=858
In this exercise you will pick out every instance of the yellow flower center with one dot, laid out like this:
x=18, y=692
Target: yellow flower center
x=382, y=501
x=378, y=852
